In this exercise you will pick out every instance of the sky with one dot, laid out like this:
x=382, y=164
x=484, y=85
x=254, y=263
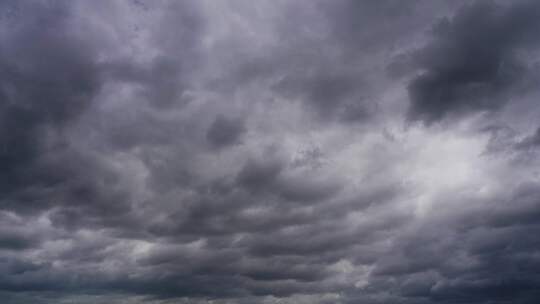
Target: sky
x=269, y=151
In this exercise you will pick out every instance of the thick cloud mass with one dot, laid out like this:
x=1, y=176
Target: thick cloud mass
x=474, y=59
x=238, y=152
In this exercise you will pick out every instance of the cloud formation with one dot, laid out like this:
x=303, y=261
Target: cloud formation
x=265, y=152
x=473, y=61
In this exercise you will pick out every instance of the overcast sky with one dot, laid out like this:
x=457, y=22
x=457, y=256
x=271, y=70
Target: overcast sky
x=269, y=151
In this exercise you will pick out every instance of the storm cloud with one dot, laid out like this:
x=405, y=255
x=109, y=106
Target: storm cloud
x=265, y=152
x=474, y=60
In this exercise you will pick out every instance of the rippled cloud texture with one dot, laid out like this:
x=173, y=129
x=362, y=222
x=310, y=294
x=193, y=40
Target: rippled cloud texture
x=294, y=152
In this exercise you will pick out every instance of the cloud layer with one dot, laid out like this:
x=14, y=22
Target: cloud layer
x=265, y=152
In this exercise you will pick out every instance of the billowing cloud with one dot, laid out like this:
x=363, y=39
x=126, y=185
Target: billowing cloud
x=265, y=152
x=225, y=132
x=475, y=60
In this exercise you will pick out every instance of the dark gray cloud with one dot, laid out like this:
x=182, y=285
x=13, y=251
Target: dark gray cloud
x=473, y=61
x=261, y=152
x=50, y=77
x=480, y=255
x=225, y=132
